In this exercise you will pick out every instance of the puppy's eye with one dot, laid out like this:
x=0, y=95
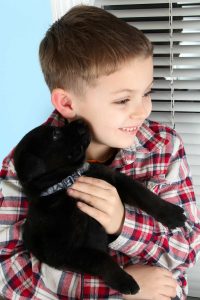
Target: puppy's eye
x=57, y=134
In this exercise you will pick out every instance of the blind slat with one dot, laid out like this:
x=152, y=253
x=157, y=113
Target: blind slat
x=125, y=2
x=197, y=190
x=155, y=12
x=160, y=25
x=165, y=72
x=187, y=119
x=196, y=180
x=180, y=49
x=191, y=139
x=179, y=107
x=178, y=61
x=165, y=37
x=195, y=170
x=178, y=84
x=178, y=95
x=193, y=159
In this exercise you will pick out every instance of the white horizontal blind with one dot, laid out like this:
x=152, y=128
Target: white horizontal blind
x=174, y=29
x=60, y=7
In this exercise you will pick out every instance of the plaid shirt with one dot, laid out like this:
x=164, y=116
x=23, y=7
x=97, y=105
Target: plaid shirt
x=158, y=160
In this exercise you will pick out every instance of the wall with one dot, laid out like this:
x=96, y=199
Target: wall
x=24, y=97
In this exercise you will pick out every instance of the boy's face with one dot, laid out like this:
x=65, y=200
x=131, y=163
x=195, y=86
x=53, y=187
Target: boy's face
x=117, y=105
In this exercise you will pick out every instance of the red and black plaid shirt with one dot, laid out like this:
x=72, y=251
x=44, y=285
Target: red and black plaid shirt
x=157, y=159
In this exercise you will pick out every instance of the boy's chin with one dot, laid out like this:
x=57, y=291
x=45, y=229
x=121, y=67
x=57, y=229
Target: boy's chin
x=126, y=142
x=125, y=145
x=128, y=146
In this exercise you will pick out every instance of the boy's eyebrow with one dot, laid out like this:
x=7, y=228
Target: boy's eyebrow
x=130, y=90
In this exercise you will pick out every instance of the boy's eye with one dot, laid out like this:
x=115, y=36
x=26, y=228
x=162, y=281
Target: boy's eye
x=124, y=101
x=148, y=94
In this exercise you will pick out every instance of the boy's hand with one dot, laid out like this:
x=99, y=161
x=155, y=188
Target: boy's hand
x=101, y=202
x=155, y=283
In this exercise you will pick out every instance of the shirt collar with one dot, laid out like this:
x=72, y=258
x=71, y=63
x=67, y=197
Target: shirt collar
x=146, y=141
x=55, y=119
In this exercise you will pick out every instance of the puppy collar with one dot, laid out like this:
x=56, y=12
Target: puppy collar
x=66, y=182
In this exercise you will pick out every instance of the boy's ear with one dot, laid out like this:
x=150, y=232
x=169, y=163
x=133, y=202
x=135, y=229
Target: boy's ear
x=62, y=101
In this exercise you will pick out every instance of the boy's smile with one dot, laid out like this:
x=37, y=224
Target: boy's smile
x=116, y=106
x=130, y=130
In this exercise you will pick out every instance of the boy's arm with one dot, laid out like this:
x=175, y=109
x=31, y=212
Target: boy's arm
x=142, y=236
x=17, y=277
x=21, y=275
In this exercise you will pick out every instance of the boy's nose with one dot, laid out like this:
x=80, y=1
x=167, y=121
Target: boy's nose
x=140, y=111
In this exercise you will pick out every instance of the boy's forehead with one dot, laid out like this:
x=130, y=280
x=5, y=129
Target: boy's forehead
x=129, y=77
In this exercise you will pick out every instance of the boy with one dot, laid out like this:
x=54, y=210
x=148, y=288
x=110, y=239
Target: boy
x=99, y=68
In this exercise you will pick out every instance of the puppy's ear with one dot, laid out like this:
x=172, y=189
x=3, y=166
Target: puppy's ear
x=29, y=167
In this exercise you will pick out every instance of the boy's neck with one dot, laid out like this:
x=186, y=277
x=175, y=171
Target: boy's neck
x=99, y=153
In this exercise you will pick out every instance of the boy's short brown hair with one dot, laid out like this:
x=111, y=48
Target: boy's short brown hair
x=85, y=43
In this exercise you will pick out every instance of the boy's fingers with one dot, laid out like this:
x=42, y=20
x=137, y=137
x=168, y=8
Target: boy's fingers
x=93, y=190
x=166, y=272
x=94, y=201
x=94, y=181
x=169, y=291
x=92, y=212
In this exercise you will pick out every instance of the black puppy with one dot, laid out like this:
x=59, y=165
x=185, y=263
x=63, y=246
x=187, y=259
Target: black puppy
x=47, y=161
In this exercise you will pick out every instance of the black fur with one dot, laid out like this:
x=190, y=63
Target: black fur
x=56, y=231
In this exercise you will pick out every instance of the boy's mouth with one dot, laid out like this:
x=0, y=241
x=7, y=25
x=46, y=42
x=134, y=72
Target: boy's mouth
x=130, y=130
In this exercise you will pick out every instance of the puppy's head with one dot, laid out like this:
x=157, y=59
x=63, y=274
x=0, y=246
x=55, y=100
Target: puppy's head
x=46, y=149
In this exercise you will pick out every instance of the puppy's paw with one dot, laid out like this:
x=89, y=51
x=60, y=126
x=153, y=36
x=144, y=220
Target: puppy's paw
x=172, y=216
x=123, y=283
x=128, y=286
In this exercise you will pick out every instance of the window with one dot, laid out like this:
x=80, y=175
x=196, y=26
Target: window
x=174, y=29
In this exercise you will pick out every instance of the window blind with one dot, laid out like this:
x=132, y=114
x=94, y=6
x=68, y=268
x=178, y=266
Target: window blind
x=60, y=7
x=174, y=29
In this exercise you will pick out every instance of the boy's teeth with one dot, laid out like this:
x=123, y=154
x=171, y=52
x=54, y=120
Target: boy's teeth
x=129, y=129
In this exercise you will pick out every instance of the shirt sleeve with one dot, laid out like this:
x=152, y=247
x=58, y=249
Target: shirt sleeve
x=22, y=276
x=144, y=237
